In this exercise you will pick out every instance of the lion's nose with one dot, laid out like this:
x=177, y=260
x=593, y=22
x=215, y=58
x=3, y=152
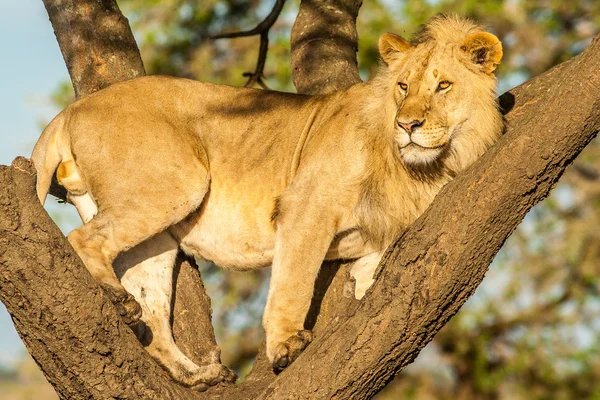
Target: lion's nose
x=409, y=127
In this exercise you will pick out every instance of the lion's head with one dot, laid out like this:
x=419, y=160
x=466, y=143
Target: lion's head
x=441, y=91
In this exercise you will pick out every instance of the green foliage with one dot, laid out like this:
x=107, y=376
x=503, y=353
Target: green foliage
x=174, y=39
x=63, y=95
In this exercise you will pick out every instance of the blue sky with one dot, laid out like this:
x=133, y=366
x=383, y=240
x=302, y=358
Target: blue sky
x=31, y=68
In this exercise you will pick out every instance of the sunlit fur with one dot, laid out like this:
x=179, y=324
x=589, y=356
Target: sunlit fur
x=248, y=178
x=461, y=122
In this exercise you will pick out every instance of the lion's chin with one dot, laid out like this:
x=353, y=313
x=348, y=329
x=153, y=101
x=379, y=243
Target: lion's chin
x=415, y=155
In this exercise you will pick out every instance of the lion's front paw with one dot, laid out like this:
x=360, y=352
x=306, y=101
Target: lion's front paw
x=126, y=306
x=286, y=352
x=209, y=375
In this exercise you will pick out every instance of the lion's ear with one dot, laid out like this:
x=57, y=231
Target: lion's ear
x=485, y=50
x=391, y=45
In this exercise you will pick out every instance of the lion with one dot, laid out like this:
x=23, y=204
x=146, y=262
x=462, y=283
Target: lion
x=249, y=178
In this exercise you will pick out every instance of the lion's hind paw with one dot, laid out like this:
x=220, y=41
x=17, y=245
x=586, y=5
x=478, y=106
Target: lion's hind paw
x=127, y=307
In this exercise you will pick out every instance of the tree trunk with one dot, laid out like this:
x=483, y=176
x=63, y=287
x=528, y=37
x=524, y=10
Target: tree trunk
x=323, y=46
x=86, y=351
x=96, y=43
x=67, y=323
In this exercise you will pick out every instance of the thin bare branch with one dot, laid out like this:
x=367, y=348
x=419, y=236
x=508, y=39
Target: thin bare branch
x=261, y=29
x=263, y=26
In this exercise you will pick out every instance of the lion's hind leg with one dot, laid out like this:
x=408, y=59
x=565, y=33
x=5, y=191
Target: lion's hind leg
x=70, y=178
x=94, y=243
x=128, y=214
x=146, y=271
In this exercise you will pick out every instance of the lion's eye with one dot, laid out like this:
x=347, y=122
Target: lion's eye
x=403, y=86
x=443, y=85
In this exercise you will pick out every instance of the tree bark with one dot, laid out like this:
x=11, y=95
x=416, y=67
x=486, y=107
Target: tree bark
x=86, y=351
x=67, y=323
x=96, y=43
x=323, y=46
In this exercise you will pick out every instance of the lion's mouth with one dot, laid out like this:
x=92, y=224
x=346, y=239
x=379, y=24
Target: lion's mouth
x=412, y=144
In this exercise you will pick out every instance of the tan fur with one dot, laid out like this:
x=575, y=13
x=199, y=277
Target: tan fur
x=248, y=178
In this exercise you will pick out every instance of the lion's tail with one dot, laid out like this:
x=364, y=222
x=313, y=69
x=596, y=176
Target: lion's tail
x=46, y=155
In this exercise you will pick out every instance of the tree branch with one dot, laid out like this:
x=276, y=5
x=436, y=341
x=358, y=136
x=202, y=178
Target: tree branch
x=66, y=321
x=324, y=44
x=261, y=29
x=262, y=26
x=96, y=43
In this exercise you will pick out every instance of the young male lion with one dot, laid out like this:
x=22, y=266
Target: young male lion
x=250, y=178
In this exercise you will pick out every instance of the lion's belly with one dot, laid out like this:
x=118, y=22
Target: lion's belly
x=232, y=229
x=232, y=243
x=235, y=248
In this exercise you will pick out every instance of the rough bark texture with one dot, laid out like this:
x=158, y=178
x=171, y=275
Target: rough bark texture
x=63, y=317
x=85, y=350
x=96, y=43
x=191, y=314
x=324, y=45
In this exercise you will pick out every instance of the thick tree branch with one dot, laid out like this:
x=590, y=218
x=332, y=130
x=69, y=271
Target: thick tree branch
x=96, y=43
x=63, y=317
x=261, y=29
x=324, y=45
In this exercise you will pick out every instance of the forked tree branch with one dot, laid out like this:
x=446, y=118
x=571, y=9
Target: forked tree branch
x=261, y=29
